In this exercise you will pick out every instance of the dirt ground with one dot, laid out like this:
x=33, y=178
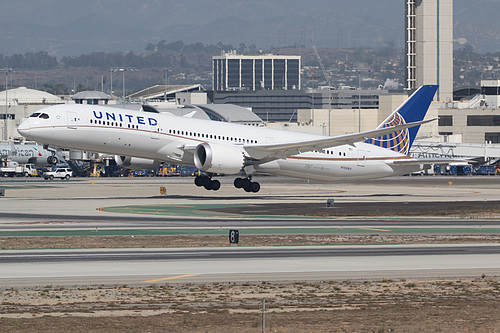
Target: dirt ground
x=89, y=242
x=451, y=305
x=459, y=305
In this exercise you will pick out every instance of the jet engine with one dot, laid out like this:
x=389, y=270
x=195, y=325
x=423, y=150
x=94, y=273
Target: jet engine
x=215, y=158
x=136, y=163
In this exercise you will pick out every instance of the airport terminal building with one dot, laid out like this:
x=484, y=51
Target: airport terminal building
x=236, y=72
x=282, y=106
x=475, y=119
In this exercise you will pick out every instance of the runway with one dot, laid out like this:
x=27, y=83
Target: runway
x=146, y=266
x=33, y=221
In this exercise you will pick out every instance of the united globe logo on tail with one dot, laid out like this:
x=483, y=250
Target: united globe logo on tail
x=398, y=141
x=412, y=110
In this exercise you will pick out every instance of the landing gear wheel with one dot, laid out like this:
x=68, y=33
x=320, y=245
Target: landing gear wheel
x=198, y=181
x=52, y=160
x=215, y=185
x=245, y=183
x=252, y=187
x=207, y=183
x=202, y=181
x=255, y=187
x=238, y=182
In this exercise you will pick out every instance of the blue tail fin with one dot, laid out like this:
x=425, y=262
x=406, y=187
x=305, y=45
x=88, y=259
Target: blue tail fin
x=413, y=109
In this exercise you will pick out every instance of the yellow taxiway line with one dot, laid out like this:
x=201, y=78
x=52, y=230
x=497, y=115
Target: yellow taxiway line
x=171, y=278
x=373, y=229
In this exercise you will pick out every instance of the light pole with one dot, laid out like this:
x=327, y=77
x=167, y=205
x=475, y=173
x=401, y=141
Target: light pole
x=7, y=70
x=123, y=70
x=111, y=84
x=166, y=81
x=359, y=101
x=359, y=70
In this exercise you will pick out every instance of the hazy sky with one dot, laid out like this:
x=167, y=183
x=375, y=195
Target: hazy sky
x=64, y=27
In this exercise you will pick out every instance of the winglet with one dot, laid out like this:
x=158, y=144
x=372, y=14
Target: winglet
x=190, y=114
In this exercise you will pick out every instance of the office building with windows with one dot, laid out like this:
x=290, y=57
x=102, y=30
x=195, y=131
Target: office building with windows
x=236, y=72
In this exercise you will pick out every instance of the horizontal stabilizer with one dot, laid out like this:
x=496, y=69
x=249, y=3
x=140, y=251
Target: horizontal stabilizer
x=417, y=161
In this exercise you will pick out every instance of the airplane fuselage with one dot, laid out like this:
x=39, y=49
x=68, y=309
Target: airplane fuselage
x=172, y=139
x=26, y=153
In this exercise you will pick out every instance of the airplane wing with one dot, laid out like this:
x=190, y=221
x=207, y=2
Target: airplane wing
x=273, y=151
x=417, y=161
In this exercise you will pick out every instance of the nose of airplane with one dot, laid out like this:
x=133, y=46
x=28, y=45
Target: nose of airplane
x=24, y=128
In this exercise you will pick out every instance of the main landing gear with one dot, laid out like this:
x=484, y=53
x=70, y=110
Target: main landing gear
x=207, y=182
x=247, y=184
x=213, y=184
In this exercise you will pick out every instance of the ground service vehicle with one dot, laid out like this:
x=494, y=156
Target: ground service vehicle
x=10, y=169
x=63, y=173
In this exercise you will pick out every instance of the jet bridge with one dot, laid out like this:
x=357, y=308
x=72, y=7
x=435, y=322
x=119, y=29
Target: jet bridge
x=488, y=153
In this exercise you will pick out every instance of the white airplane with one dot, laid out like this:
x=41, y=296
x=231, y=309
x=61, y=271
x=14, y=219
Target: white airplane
x=28, y=153
x=227, y=148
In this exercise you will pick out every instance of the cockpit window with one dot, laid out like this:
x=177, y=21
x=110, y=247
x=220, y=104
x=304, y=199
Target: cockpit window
x=40, y=115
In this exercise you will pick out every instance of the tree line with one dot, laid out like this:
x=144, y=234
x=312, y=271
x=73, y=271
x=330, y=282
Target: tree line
x=172, y=55
x=195, y=59
x=38, y=61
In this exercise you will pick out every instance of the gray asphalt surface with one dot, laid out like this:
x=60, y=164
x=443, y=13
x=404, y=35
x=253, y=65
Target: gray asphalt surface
x=79, y=267
x=39, y=205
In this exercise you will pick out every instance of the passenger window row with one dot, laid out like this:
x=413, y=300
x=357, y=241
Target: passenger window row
x=111, y=123
x=330, y=152
x=211, y=136
x=179, y=132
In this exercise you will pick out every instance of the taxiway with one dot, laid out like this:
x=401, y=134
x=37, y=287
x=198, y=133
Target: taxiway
x=39, y=207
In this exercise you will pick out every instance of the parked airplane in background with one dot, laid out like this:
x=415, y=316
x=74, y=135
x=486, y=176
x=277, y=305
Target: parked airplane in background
x=227, y=148
x=28, y=153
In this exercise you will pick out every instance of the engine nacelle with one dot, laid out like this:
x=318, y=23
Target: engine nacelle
x=212, y=157
x=136, y=163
